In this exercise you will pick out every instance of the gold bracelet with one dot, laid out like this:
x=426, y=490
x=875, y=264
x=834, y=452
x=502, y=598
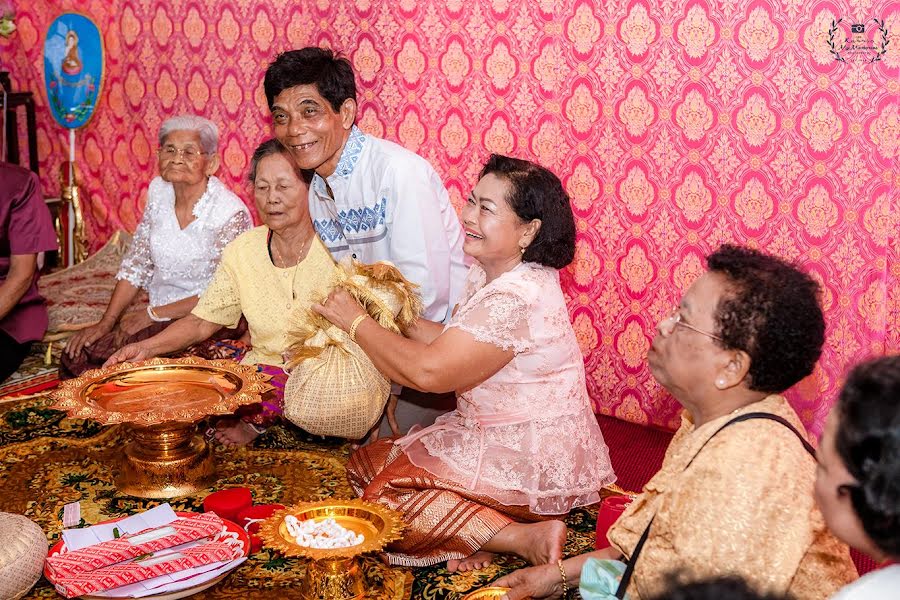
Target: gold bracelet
x=354, y=326
x=562, y=573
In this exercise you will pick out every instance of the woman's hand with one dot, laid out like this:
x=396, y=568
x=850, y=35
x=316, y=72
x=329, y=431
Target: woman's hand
x=87, y=336
x=340, y=308
x=543, y=581
x=131, y=323
x=131, y=352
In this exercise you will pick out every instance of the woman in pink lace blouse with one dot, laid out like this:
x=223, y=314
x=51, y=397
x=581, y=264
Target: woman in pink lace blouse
x=523, y=445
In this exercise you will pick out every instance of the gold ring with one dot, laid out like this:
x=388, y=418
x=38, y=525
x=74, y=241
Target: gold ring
x=325, y=300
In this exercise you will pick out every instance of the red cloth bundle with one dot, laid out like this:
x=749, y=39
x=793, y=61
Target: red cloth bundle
x=228, y=503
x=113, y=576
x=181, y=531
x=249, y=519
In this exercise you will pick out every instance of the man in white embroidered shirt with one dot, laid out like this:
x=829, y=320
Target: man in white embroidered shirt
x=369, y=198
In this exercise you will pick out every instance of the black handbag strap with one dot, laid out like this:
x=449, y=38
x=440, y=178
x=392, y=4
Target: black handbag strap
x=629, y=570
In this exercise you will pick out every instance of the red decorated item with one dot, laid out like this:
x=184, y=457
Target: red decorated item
x=610, y=510
x=251, y=517
x=230, y=534
x=228, y=503
x=179, y=531
x=117, y=575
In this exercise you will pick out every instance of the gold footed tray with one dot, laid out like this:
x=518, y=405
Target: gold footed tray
x=161, y=400
x=334, y=574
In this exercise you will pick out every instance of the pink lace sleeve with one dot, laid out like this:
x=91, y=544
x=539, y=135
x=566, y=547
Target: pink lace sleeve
x=498, y=317
x=137, y=265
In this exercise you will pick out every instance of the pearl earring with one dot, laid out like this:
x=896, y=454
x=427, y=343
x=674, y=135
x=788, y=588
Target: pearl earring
x=522, y=250
x=720, y=383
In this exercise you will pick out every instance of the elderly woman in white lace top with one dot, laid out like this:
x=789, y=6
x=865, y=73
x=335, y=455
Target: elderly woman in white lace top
x=189, y=218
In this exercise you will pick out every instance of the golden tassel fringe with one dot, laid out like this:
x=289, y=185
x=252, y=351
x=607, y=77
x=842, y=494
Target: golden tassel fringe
x=310, y=332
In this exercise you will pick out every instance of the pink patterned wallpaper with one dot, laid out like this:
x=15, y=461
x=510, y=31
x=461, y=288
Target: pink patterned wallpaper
x=675, y=125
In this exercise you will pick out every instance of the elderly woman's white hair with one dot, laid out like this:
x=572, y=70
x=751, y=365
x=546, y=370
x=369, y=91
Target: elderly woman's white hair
x=206, y=129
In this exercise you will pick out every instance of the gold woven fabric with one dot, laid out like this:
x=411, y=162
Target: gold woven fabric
x=334, y=389
x=337, y=393
x=443, y=519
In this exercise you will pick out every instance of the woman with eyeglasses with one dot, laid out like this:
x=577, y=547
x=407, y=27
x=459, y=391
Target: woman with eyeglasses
x=189, y=218
x=734, y=492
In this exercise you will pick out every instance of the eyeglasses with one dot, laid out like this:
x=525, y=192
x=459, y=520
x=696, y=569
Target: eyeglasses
x=674, y=318
x=170, y=152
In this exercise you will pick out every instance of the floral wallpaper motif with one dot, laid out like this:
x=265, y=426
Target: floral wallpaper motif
x=675, y=125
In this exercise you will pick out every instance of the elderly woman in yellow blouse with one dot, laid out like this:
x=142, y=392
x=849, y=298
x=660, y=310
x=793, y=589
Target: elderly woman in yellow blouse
x=735, y=500
x=265, y=274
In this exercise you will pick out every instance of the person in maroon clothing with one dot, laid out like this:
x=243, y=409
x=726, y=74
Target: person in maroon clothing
x=26, y=229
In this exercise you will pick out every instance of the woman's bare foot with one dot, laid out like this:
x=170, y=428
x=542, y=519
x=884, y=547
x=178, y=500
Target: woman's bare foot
x=538, y=543
x=234, y=432
x=479, y=560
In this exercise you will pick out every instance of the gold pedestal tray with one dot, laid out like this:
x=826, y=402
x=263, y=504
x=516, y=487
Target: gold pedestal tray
x=161, y=401
x=334, y=573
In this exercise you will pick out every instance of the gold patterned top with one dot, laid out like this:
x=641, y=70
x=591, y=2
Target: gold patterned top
x=247, y=282
x=744, y=506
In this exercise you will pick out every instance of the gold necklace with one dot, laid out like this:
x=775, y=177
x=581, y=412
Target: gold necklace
x=299, y=254
x=297, y=264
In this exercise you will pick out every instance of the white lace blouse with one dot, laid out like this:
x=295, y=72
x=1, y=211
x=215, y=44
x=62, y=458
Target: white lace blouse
x=172, y=263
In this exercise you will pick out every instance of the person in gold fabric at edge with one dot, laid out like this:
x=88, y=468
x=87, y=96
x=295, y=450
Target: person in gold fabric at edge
x=745, y=331
x=523, y=444
x=265, y=274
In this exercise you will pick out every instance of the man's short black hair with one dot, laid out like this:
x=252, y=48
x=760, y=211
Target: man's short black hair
x=331, y=73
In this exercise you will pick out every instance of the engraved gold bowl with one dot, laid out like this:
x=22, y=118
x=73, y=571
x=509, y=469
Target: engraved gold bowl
x=486, y=593
x=334, y=573
x=161, y=400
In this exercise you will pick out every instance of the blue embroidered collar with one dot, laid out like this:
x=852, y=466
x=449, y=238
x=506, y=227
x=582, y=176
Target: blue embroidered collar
x=349, y=157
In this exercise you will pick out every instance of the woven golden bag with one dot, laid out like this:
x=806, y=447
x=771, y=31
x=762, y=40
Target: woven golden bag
x=334, y=389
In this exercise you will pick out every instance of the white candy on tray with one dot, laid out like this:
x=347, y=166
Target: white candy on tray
x=322, y=534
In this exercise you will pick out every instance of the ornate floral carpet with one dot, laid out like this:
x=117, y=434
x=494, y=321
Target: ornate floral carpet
x=47, y=461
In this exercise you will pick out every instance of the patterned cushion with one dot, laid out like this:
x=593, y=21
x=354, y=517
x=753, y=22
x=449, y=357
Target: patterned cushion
x=77, y=296
x=21, y=555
